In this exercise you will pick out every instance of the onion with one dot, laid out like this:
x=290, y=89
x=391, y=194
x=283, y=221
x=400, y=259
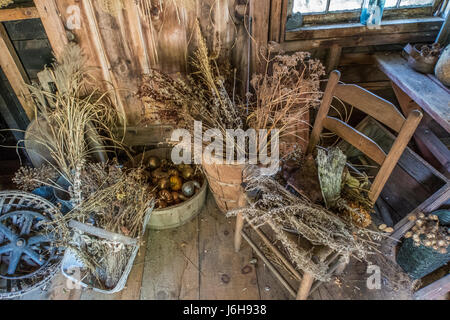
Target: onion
x=154, y=162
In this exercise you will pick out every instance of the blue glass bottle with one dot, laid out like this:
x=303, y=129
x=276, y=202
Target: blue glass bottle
x=372, y=12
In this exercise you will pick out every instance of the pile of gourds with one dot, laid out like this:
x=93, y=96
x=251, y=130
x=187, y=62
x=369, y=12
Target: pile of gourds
x=173, y=184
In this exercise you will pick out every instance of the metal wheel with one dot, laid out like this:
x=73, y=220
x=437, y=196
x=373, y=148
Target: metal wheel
x=26, y=248
x=28, y=258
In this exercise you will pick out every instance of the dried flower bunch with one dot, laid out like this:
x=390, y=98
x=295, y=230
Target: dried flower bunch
x=5, y=3
x=28, y=178
x=429, y=233
x=167, y=95
x=284, y=94
x=221, y=109
x=277, y=208
x=327, y=180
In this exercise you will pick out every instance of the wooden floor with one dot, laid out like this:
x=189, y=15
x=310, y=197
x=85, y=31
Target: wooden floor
x=197, y=261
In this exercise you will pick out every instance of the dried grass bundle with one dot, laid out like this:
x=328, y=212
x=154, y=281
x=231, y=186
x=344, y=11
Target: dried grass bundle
x=280, y=210
x=71, y=112
x=222, y=109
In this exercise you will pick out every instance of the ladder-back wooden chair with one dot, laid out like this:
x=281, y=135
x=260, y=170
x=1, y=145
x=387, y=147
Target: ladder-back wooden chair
x=374, y=106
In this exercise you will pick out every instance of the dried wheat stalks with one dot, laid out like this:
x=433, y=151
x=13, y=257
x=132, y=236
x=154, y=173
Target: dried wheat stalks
x=74, y=111
x=113, y=7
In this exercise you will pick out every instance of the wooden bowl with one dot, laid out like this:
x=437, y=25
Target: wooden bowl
x=177, y=215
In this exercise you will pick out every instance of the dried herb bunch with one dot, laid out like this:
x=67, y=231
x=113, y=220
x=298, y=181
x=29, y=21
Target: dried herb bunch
x=167, y=95
x=113, y=199
x=284, y=94
x=112, y=7
x=221, y=109
x=429, y=233
x=28, y=178
x=70, y=113
x=202, y=96
x=277, y=208
x=5, y=3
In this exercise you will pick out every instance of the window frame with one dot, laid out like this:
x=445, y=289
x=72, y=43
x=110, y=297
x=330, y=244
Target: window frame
x=352, y=15
x=419, y=26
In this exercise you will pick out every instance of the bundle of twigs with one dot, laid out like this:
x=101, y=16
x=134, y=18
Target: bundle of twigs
x=280, y=210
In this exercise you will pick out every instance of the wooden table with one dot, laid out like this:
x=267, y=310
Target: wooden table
x=416, y=90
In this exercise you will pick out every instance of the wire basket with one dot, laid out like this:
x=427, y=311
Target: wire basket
x=71, y=262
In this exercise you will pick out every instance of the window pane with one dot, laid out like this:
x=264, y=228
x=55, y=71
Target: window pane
x=390, y=3
x=339, y=5
x=308, y=6
x=405, y=3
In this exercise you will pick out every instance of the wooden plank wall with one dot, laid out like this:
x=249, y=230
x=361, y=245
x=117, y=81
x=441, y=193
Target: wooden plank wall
x=123, y=46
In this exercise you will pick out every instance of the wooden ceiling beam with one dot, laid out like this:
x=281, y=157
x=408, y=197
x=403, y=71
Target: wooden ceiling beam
x=19, y=13
x=53, y=25
x=15, y=72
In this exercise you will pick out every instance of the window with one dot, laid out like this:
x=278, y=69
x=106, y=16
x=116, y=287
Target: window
x=339, y=11
x=325, y=6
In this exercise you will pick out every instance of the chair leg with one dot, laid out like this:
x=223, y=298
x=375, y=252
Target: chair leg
x=305, y=286
x=237, y=232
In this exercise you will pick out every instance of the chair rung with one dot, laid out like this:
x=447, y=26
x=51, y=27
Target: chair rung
x=277, y=274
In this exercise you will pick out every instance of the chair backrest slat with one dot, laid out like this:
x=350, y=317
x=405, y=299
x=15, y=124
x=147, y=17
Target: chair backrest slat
x=377, y=108
x=356, y=139
x=374, y=106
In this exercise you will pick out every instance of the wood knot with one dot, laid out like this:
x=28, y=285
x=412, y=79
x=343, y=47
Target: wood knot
x=246, y=270
x=225, y=278
x=154, y=11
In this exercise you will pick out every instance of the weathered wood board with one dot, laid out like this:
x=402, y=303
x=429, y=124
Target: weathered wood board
x=225, y=275
x=121, y=46
x=172, y=265
x=434, y=99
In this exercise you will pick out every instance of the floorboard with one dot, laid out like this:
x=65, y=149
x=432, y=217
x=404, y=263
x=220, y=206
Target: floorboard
x=171, y=269
x=197, y=261
x=225, y=274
